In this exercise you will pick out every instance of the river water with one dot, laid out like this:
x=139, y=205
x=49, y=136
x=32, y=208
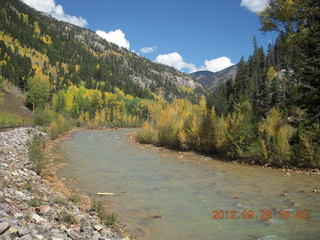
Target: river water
x=172, y=195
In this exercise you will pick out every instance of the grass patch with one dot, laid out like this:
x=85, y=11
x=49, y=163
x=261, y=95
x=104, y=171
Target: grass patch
x=36, y=154
x=74, y=199
x=9, y=119
x=68, y=219
x=108, y=219
x=60, y=201
x=27, y=186
x=35, y=202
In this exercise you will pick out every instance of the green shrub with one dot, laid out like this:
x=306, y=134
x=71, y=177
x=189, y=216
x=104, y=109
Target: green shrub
x=74, y=198
x=60, y=201
x=9, y=119
x=240, y=131
x=35, y=202
x=68, y=219
x=44, y=118
x=36, y=153
x=57, y=127
x=276, y=136
x=307, y=147
x=27, y=185
x=146, y=134
x=108, y=219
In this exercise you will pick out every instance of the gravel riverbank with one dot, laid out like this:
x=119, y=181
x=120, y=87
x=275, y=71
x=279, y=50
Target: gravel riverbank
x=29, y=208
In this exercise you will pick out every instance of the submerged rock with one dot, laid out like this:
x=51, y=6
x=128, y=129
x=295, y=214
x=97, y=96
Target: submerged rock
x=271, y=237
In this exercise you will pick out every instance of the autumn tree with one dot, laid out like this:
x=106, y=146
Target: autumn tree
x=39, y=91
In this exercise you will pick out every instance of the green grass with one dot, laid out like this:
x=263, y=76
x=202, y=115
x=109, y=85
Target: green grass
x=108, y=219
x=27, y=185
x=60, y=201
x=35, y=202
x=74, y=199
x=36, y=154
x=68, y=219
x=9, y=119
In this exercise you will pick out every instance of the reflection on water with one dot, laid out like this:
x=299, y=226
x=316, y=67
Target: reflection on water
x=172, y=194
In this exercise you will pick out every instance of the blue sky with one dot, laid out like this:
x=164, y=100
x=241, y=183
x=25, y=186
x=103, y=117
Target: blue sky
x=187, y=34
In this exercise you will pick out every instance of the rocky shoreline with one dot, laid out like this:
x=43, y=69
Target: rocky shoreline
x=30, y=208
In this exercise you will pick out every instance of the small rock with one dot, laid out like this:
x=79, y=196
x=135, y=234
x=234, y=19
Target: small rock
x=40, y=237
x=284, y=195
x=13, y=229
x=43, y=209
x=26, y=237
x=37, y=218
x=17, y=215
x=85, y=229
x=98, y=228
x=23, y=231
x=63, y=227
x=4, y=226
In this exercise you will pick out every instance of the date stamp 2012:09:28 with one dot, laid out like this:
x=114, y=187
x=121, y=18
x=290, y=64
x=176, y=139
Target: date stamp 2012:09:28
x=259, y=214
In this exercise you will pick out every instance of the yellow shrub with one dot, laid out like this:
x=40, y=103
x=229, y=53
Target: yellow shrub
x=53, y=130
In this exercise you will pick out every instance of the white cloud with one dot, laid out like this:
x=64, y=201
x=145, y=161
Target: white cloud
x=216, y=65
x=56, y=11
x=117, y=37
x=146, y=50
x=254, y=5
x=175, y=60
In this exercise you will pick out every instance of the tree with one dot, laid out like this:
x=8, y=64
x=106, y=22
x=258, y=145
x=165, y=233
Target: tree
x=39, y=91
x=298, y=21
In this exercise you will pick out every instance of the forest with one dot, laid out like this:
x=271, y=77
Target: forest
x=269, y=114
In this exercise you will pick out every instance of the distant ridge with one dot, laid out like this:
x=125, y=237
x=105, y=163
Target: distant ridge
x=211, y=80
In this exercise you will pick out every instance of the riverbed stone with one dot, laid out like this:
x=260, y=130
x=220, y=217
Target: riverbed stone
x=23, y=231
x=4, y=226
x=37, y=218
x=98, y=227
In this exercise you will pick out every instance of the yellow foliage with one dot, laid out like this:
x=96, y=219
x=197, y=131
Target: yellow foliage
x=272, y=124
x=278, y=136
x=220, y=134
x=36, y=28
x=24, y=18
x=271, y=74
x=81, y=119
x=77, y=68
x=46, y=39
x=53, y=130
x=86, y=116
x=69, y=97
x=147, y=134
x=116, y=53
x=184, y=89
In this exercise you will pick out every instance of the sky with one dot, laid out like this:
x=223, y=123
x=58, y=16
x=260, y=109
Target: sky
x=190, y=35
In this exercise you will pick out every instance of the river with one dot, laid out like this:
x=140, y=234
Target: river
x=173, y=195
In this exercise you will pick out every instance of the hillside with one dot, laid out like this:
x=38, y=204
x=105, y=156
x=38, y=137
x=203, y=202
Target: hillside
x=12, y=109
x=69, y=55
x=211, y=80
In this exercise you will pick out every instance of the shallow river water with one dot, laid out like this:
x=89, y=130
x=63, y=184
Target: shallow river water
x=172, y=195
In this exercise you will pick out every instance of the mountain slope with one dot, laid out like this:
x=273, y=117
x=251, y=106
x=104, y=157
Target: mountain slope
x=70, y=55
x=211, y=80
